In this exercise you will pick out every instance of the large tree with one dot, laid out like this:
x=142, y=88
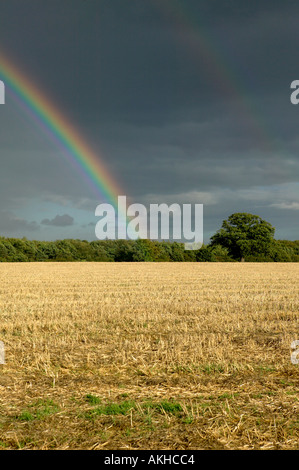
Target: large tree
x=244, y=234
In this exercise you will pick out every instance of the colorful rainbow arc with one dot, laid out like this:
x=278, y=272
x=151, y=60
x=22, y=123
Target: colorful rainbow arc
x=59, y=129
x=206, y=47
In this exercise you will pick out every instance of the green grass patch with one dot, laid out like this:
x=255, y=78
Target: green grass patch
x=111, y=409
x=188, y=419
x=92, y=399
x=38, y=410
x=212, y=368
x=126, y=406
x=225, y=396
x=167, y=406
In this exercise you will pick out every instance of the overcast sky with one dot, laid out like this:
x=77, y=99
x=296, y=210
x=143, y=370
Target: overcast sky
x=185, y=101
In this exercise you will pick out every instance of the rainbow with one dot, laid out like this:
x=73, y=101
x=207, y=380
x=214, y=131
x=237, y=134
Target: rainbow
x=58, y=128
x=206, y=48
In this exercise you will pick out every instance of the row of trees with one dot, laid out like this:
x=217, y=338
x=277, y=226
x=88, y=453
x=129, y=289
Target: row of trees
x=242, y=237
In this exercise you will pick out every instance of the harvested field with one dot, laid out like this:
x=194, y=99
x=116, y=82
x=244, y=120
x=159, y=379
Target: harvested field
x=149, y=356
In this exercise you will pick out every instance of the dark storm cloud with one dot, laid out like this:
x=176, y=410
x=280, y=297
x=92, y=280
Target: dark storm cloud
x=180, y=98
x=10, y=224
x=59, y=221
x=131, y=60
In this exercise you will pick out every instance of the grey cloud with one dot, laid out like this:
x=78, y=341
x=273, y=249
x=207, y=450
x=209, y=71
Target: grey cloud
x=10, y=224
x=59, y=221
x=179, y=104
x=287, y=205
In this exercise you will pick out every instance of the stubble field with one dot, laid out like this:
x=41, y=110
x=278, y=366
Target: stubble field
x=149, y=356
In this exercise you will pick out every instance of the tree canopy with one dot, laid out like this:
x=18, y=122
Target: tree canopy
x=242, y=236
x=245, y=235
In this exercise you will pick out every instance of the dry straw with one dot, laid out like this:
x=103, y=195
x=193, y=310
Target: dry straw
x=176, y=355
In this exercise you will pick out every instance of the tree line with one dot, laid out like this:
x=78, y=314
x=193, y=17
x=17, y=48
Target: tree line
x=242, y=237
